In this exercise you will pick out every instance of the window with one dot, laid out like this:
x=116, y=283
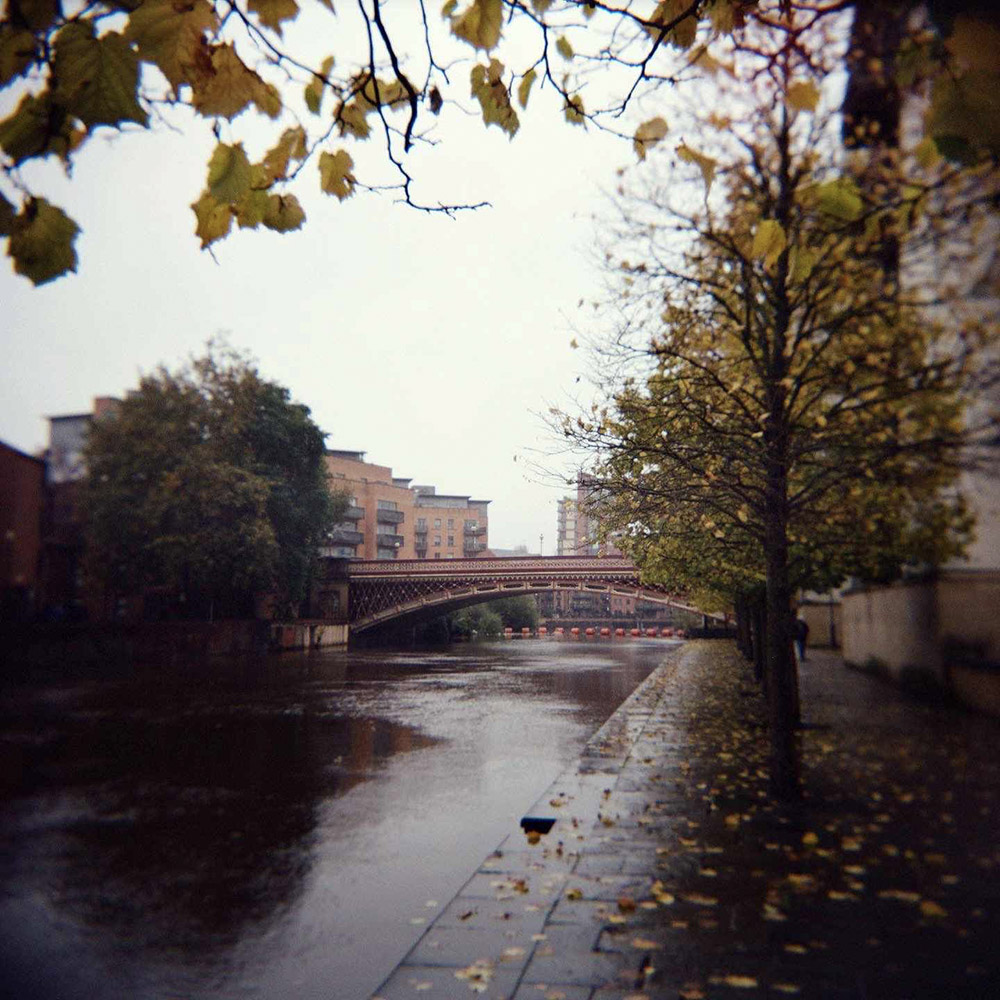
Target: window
x=387, y=505
x=472, y=524
x=451, y=540
x=451, y=522
x=421, y=524
x=437, y=539
x=437, y=555
x=437, y=523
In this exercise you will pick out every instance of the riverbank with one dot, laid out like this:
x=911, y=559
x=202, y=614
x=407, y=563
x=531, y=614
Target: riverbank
x=668, y=873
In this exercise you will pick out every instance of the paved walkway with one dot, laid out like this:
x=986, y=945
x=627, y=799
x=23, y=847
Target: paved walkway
x=669, y=874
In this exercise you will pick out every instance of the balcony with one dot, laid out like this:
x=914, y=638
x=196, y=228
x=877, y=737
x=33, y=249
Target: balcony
x=344, y=536
x=474, y=529
x=387, y=541
x=389, y=516
x=354, y=514
x=472, y=548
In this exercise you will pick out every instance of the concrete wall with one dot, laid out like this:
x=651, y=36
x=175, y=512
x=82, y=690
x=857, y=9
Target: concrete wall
x=825, y=624
x=307, y=635
x=945, y=631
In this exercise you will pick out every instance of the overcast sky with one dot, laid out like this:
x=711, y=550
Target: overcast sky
x=430, y=343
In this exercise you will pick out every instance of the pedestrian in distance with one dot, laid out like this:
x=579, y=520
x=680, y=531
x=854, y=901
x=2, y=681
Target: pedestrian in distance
x=801, y=636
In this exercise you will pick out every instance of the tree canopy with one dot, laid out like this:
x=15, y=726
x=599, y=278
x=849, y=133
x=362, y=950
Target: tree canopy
x=291, y=91
x=795, y=350
x=209, y=483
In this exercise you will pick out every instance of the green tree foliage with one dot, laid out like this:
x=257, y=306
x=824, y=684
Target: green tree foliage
x=795, y=412
x=208, y=483
x=489, y=619
x=69, y=71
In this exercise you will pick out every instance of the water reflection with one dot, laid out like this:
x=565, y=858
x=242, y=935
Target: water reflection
x=272, y=825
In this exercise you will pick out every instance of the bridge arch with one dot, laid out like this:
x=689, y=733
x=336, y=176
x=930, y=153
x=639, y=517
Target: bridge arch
x=383, y=591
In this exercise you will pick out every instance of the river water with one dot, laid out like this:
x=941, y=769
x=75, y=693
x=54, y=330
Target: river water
x=276, y=828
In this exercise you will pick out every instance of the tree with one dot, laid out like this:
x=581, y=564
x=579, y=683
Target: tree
x=210, y=483
x=71, y=72
x=799, y=413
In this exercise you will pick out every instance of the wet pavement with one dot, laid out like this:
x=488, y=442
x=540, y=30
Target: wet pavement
x=669, y=874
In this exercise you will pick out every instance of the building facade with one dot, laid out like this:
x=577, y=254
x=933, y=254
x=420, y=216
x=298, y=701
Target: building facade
x=390, y=519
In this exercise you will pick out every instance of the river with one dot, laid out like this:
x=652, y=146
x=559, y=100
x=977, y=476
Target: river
x=283, y=827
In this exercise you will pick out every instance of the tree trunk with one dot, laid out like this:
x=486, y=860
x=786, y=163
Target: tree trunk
x=782, y=697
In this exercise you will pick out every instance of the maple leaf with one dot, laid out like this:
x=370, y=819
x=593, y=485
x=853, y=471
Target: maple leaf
x=704, y=163
x=171, y=35
x=97, y=78
x=335, y=174
x=38, y=127
x=41, y=242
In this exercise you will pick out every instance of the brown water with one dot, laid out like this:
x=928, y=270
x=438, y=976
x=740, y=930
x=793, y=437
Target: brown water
x=280, y=828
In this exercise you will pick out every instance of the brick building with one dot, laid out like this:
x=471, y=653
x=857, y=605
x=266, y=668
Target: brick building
x=449, y=526
x=22, y=493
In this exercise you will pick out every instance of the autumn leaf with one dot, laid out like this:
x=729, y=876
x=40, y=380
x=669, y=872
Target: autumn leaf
x=36, y=128
x=214, y=219
x=524, y=88
x=226, y=87
x=291, y=146
x=284, y=213
x=803, y=96
x=272, y=13
x=7, y=216
x=316, y=86
x=41, y=242
x=769, y=241
x=740, y=982
x=97, y=78
x=17, y=49
x=171, y=35
x=648, y=134
x=574, y=111
x=840, y=198
x=335, y=174
x=480, y=24
x=228, y=173
x=489, y=89
x=564, y=48
x=704, y=163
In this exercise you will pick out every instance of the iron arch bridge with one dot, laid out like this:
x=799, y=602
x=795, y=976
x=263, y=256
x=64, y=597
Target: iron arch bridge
x=383, y=590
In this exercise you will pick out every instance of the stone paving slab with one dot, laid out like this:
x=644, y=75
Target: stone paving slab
x=670, y=874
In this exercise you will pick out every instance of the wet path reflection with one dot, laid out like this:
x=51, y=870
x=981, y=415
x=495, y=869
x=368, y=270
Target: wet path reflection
x=274, y=828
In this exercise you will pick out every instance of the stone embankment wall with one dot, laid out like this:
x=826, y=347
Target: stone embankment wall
x=942, y=633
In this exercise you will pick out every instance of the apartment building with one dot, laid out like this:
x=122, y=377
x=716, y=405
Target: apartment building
x=390, y=519
x=576, y=532
x=449, y=526
x=378, y=524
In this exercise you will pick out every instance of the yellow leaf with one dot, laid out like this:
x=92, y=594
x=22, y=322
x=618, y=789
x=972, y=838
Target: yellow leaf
x=704, y=163
x=172, y=35
x=563, y=47
x=741, y=982
x=225, y=86
x=810, y=839
x=574, y=893
x=803, y=96
x=41, y=242
x=335, y=174
x=574, y=110
x=648, y=134
x=489, y=89
x=931, y=909
x=352, y=119
x=214, y=219
x=769, y=241
x=284, y=213
x=480, y=24
x=645, y=944
x=316, y=86
x=926, y=153
x=228, y=173
x=524, y=88
x=291, y=146
x=841, y=199
x=271, y=13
